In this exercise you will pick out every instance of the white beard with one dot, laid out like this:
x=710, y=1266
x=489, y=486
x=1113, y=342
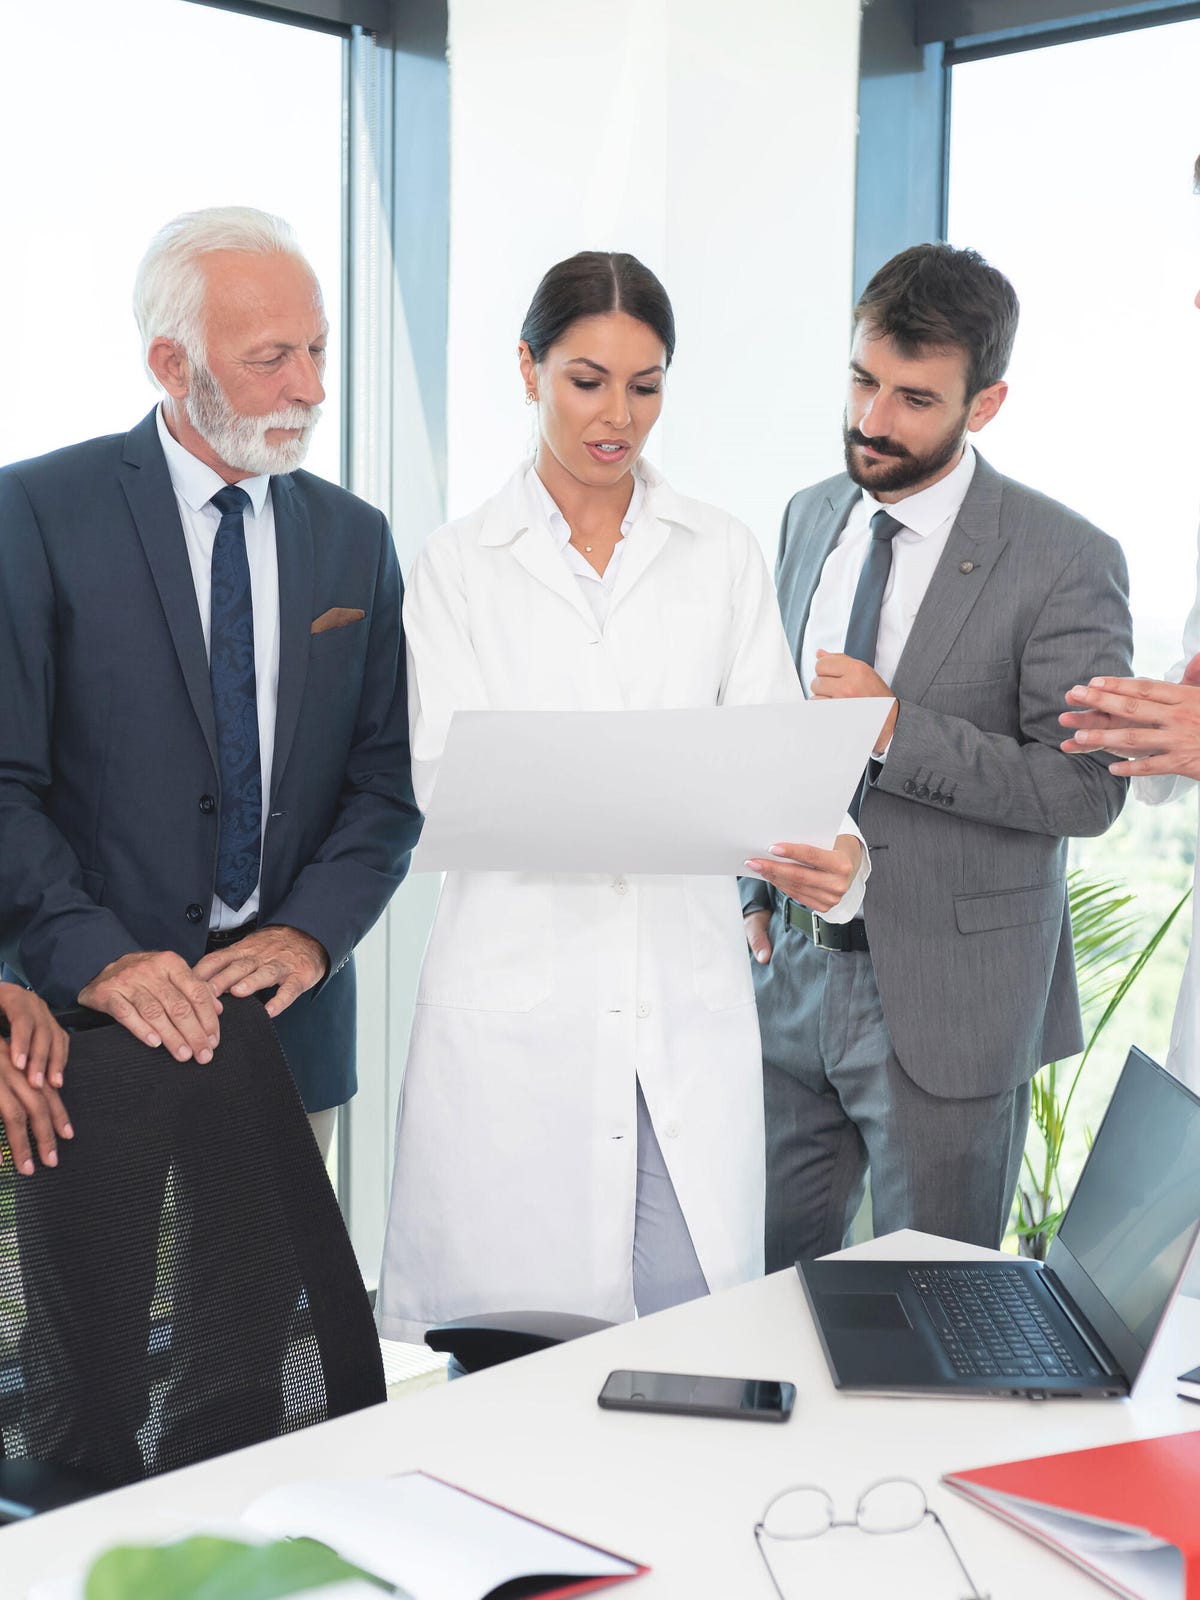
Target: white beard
x=241, y=442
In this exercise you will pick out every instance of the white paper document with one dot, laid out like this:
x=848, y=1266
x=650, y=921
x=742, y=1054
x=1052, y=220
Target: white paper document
x=694, y=791
x=437, y=1542
x=427, y=1538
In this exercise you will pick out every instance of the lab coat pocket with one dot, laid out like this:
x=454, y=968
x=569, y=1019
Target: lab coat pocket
x=720, y=960
x=491, y=943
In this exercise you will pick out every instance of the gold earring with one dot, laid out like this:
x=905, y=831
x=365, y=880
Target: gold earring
x=530, y=397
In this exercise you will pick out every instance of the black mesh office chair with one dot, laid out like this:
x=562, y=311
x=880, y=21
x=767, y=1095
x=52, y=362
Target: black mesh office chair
x=182, y=1284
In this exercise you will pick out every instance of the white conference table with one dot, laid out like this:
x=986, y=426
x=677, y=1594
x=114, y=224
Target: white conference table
x=678, y=1493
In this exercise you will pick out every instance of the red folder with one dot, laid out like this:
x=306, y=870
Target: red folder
x=1129, y=1514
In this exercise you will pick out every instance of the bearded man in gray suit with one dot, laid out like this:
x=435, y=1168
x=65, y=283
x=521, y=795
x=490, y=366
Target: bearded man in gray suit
x=904, y=1044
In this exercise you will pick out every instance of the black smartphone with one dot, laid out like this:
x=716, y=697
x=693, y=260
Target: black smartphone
x=688, y=1394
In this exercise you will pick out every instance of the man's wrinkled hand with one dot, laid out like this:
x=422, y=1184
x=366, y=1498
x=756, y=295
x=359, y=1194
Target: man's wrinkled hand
x=283, y=959
x=33, y=1119
x=756, y=924
x=814, y=878
x=160, y=1000
x=842, y=677
x=1153, y=725
x=37, y=1045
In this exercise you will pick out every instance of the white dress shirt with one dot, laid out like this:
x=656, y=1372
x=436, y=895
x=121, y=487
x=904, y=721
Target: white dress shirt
x=195, y=484
x=928, y=516
x=596, y=587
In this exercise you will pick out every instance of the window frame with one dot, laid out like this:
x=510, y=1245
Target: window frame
x=395, y=299
x=908, y=48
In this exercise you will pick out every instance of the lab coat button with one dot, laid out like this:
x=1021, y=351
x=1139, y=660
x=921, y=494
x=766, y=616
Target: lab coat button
x=672, y=1130
x=644, y=1009
x=620, y=886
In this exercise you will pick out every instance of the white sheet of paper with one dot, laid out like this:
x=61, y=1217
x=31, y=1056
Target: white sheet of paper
x=431, y=1539
x=694, y=791
x=437, y=1542
x=1135, y=1563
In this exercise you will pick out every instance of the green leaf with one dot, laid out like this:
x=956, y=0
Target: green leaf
x=206, y=1567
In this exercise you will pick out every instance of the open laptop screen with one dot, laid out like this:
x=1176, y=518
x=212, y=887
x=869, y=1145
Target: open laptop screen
x=1132, y=1220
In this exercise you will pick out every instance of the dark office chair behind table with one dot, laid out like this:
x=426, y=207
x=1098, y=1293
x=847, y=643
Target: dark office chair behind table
x=182, y=1284
x=475, y=1343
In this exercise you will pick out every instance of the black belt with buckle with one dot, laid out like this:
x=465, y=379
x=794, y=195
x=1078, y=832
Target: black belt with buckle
x=840, y=936
x=228, y=936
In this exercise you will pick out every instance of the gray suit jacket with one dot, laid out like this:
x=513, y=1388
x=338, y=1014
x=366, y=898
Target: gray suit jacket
x=968, y=818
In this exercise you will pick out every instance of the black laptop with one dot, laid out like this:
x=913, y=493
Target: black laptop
x=1083, y=1323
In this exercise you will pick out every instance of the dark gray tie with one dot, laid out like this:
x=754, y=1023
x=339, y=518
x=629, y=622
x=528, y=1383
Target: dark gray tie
x=862, y=631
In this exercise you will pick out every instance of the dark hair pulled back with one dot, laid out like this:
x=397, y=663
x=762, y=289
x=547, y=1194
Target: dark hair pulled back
x=591, y=284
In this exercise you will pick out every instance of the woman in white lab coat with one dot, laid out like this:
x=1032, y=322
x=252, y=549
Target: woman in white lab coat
x=582, y=1124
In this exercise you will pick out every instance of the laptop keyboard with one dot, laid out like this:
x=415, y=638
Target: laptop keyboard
x=992, y=1325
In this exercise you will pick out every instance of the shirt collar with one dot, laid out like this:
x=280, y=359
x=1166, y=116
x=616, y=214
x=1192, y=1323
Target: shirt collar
x=929, y=509
x=544, y=507
x=195, y=482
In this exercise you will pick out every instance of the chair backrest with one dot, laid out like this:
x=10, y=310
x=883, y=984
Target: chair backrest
x=182, y=1284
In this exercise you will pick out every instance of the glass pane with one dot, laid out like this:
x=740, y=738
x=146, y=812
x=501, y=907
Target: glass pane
x=113, y=119
x=1071, y=170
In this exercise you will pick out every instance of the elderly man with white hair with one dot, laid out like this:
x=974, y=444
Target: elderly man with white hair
x=204, y=766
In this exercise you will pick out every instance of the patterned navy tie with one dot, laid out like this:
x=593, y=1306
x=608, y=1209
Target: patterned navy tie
x=862, y=631
x=235, y=705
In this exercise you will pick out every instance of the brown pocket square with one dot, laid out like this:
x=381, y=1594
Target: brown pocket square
x=337, y=617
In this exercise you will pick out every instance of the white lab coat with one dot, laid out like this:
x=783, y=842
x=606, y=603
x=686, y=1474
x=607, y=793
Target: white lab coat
x=544, y=998
x=1183, y=1055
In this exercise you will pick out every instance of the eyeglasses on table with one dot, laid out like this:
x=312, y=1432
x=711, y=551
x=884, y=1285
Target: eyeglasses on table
x=890, y=1505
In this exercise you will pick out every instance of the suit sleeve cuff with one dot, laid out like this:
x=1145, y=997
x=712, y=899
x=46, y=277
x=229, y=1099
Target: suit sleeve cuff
x=851, y=902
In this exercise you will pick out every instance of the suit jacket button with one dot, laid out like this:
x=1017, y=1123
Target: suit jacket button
x=207, y=804
x=194, y=912
x=909, y=786
x=922, y=791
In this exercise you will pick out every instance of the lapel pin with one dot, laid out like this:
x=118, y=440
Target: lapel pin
x=966, y=566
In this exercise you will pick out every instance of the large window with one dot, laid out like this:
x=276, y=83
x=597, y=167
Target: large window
x=1070, y=169
x=112, y=120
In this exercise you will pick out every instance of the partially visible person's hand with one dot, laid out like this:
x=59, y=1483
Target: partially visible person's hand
x=756, y=924
x=32, y=1118
x=279, y=958
x=37, y=1045
x=1154, y=725
x=156, y=995
x=814, y=878
x=842, y=677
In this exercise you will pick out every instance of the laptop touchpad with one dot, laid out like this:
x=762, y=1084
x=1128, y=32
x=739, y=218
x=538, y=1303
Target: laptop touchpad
x=862, y=1312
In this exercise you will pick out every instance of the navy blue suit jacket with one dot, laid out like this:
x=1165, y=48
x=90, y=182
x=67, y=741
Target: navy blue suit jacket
x=108, y=761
